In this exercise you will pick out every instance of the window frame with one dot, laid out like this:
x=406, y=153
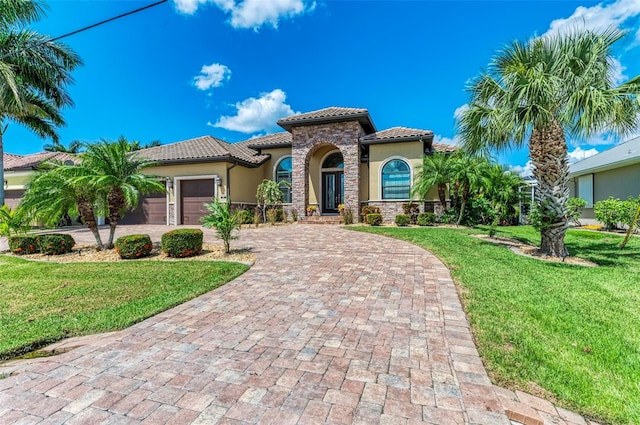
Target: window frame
x=275, y=179
x=381, y=181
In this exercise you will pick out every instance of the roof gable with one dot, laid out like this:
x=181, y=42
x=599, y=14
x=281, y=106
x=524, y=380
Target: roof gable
x=329, y=115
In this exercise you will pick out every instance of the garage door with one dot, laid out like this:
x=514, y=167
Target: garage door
x=152, y=209
x=12, y=198
x=193, y=194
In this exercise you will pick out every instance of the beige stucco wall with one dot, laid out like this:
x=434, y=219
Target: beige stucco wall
x=364, y=182
x=244, y=183
x=268, y=168
x=18, y=179
x=379, y=154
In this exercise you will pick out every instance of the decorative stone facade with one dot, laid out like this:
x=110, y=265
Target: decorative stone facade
x=307, y=140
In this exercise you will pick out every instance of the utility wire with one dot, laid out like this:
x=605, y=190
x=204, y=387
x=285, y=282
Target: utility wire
x=122, y=15
x=149, y=6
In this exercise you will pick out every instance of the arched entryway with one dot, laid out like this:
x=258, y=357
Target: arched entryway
x=332, y=182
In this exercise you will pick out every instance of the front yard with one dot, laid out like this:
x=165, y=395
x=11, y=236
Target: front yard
x=45, y=302
x=569, y=333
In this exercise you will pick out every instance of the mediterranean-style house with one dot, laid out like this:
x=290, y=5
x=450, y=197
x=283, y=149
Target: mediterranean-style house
x=614, y=172
x=329, y=157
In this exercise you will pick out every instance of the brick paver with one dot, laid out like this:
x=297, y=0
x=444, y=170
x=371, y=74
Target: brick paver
x=329, y=326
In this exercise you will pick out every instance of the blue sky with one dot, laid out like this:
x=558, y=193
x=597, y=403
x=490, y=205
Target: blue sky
x=231, y=68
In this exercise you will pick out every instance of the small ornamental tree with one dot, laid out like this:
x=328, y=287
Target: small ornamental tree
x=268, y=196
x=223, y=220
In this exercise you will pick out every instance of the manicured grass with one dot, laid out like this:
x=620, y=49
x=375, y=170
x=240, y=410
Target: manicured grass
x=44, y=302
x=572, y=330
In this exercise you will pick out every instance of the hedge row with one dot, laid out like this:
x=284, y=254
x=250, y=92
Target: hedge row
x=48, y=244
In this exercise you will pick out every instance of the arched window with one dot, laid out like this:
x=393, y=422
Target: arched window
x=396, y=180
x=283, y=174
x=334, y=160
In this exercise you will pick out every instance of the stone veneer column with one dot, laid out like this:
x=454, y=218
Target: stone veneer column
x=306, y=140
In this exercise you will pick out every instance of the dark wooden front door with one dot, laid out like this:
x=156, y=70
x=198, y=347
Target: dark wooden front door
x=332, y=191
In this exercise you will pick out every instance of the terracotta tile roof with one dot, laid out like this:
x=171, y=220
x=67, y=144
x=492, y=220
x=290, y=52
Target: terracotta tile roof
x=331, y=114
x=203, y=148
x=31, y=162
x=441, y=147
x=277, y=139
x=398, y=133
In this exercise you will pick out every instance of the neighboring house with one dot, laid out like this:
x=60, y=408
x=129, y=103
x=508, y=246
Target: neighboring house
x=18, y=170
x=329, y=157
x=614, y=172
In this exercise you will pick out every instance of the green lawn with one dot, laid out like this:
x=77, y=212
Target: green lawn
x=45, y=302
x=574, y=331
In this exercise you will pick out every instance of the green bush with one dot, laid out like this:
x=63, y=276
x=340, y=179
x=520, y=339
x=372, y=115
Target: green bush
x=374, y=219
x=448, y=216
x=413, y=210
x=55, y=243
x=133, y=246
x=426, y=219
x=294, y=214
x=245, y=217
x=347, y=216
x=182, y=243
x=23, y=245
x=366, y=210
x=280, y=215
x=614, y=213
x=574, y=208
x=403, y=219
x=272, y=216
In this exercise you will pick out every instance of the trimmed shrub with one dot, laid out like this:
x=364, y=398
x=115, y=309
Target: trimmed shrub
x=245, y=217
x=133, y=246
x=366, y=210
x=347, y=216
x=574, y=209
x=182, y=243
x=374, y=219
x=55, y=243
x=280, y=215
x=426, y=219
x=412, y=209
x=23, y=245
x=272, y=216
x=403, y=220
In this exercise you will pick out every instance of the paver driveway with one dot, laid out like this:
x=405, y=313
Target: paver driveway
x=329, y=326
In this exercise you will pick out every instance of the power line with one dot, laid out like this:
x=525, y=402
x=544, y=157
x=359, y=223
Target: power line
x=149, y=6
x=122, y=15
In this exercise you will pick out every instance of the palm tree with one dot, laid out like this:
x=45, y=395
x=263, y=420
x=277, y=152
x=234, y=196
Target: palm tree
x=34, y=74
x=75, y=146
x=56, y=191
x=543, y=90
x=136, y=145
x=501, y=188
x=116, y=172
x=467, y=173
x=436, y=170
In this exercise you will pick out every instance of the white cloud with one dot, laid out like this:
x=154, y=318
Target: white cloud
x=455, y=141
x=524, y=170
x=259, y=114
x=251, y=13
x=211, y=76
x=457, y=114
x=578, y=154
x=617, y=72
x=598, y=17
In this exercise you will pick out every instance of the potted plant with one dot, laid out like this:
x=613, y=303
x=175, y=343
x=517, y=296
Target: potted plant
x=312, y=210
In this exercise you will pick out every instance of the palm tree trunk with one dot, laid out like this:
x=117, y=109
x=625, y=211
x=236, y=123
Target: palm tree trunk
x=548, y=152
x=442, y=188
x=88, y=216
x=466, y=188
x=115, y=201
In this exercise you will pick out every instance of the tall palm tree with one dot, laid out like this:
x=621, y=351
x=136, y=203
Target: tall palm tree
x=75, y=146
x=116, y=172
x=543, y=90
x=34, y=74
x=55, y=191
x=436, y=170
